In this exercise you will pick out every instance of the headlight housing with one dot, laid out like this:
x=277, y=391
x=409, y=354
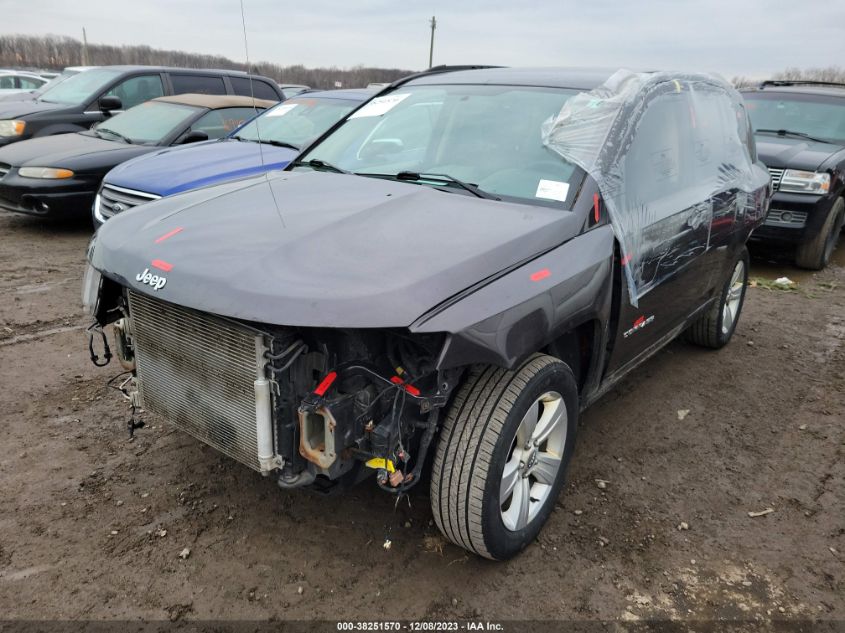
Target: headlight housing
x=797, y=181
x=10, y=127
x=49, y=173
x=91, y=283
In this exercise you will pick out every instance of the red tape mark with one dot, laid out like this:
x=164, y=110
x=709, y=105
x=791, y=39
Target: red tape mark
x=626, y=259
x=323, y=387
x=541, y=274
x=396, y=380
x=596, y=207
x=162, y=265
x=169, y=235
x=639, y=321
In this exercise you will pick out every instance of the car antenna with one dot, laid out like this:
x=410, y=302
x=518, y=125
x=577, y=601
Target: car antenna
x=249, y=77
x=257, y=122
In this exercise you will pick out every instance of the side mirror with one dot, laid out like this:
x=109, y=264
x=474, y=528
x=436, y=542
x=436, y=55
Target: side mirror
x=194, y=136
x=109, y=103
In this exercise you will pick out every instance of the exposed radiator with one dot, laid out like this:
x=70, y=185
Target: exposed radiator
x=198, y=371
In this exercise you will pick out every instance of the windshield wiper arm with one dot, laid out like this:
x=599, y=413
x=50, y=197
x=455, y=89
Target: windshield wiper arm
x=316, y=163
x=123, y=138
x=472, y=188
x=793, y=133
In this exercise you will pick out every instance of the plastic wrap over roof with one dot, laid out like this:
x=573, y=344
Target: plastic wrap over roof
x=670, y=153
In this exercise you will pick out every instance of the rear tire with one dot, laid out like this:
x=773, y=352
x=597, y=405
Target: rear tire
x=815, y=254
x=716, y=327
x=522, y=420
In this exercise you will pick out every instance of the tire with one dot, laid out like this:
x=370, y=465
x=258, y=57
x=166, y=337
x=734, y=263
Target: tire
x=716, y=327
x=815, y=253
x=478, y=441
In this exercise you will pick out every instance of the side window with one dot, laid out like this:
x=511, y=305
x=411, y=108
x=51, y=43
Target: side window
x=29, y=84
x=137, y=90
x=259, y=89
x=655, y=162
x=7, y=82
x=219, y=123
x=198, y=84
x=721, y=139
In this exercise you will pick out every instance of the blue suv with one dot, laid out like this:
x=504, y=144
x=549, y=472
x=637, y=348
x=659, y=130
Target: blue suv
x=267, y=142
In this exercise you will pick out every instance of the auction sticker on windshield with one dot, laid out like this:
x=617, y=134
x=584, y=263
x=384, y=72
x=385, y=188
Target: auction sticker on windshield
x=282, y=109
x=380, y=105
x=552, y=190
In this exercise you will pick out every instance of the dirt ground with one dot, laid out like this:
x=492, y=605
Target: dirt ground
x=92, y=525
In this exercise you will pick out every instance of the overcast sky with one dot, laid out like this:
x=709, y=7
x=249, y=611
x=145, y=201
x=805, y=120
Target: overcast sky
x=738, y=37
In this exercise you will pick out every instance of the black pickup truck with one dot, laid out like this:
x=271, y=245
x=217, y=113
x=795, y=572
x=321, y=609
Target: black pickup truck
x=463, y=263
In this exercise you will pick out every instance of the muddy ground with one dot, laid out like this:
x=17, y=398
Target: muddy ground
x=92, y=525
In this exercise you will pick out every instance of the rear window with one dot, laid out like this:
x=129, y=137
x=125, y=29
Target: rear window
x=198, y=84
x=259, y=89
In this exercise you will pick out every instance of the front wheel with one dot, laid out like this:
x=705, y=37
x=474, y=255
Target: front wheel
x=815, y=253
x=716, y=327
x=502, y=455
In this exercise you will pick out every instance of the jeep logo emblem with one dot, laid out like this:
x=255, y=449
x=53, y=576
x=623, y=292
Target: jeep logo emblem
x=156, y=282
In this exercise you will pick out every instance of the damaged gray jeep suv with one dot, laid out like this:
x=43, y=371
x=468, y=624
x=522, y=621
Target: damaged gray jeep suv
x=454, y=271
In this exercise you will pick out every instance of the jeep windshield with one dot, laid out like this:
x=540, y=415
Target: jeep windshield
x=296, y=121
x=468, y=139
x=79, y=88
x=814, y=117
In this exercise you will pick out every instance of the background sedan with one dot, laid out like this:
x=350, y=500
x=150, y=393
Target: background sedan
x=58, y=176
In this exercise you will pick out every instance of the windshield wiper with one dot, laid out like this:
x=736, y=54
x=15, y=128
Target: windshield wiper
x=793, y=133
x=282, y=144
x=316, y=163
x=125, y=139
x=418, y=176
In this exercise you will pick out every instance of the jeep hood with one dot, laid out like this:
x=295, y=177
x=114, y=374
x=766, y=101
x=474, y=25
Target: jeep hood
x=320, y=249
x=178, y=169
x=793, y=153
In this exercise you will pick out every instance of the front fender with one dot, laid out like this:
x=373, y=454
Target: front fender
x=517, y=314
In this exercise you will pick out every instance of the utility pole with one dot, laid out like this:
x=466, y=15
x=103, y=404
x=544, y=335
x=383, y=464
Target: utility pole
x=431, y=47
x=85, y=61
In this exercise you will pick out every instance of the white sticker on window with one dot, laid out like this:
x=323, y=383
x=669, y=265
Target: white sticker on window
x=552, y=190
x=282, y=110
x=380, y=105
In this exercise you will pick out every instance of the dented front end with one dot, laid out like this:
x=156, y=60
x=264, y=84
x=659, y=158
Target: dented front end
x=311, y=406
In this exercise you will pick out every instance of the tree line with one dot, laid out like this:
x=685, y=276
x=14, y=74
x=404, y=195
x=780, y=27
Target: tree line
x=833, y=74
x=54, y=52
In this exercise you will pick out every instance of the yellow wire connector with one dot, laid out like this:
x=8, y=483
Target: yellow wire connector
x=380, y=462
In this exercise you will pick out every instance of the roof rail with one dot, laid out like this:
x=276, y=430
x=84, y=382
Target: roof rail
x=800, y=82
x=434, y=70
